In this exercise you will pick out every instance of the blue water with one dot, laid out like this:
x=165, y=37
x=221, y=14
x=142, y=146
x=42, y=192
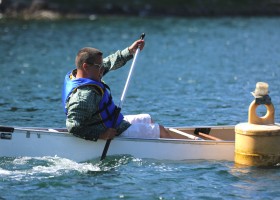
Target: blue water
x=124, y=177
x=191, y=72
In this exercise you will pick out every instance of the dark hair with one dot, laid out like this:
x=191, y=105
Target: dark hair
x=87, y=55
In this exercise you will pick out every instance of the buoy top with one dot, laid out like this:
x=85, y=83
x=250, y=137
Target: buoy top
x=252, y=129
x=261, y=90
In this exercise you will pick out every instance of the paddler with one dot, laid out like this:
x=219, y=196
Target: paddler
x=89, y=107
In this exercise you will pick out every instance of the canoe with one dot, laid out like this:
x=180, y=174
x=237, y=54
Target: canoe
x=210, y=143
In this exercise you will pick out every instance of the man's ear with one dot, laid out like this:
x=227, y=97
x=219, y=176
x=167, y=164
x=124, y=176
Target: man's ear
x=85, y=66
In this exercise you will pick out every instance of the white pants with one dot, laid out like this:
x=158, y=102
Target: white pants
x=141, y=127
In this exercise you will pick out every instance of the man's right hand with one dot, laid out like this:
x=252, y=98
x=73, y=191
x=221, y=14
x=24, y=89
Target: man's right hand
x=108, y=134
x=137, y=44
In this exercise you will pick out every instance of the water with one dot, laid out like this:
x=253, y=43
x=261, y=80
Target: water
x=124, y=177
x=191, y=72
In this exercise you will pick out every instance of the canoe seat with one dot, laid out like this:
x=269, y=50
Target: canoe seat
x=204, y=132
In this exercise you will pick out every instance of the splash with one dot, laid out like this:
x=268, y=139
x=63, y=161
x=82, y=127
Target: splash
x=28, y=168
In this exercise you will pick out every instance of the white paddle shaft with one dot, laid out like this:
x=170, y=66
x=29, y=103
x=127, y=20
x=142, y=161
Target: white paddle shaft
x=104, y=153
x=128, y=78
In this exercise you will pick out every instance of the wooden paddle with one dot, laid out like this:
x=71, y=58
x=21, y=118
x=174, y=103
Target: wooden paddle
x=118, y=109
x=190, y=136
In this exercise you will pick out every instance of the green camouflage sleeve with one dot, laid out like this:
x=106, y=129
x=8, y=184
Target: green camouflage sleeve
x=116, y=60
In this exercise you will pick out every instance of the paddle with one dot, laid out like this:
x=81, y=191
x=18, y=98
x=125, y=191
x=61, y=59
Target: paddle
x=118, y=109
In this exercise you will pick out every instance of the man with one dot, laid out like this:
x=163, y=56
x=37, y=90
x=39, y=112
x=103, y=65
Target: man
x=88, y=104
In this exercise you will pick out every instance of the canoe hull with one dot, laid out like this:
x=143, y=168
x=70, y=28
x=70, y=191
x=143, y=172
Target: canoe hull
x=31, y=142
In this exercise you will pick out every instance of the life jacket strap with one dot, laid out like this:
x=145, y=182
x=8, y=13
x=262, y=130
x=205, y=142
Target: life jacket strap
x=110, y=117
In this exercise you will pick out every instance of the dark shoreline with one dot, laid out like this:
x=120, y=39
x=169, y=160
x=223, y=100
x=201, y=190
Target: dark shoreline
x=44, y=9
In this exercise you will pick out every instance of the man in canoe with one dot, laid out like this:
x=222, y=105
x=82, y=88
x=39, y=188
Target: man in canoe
x=88, y=102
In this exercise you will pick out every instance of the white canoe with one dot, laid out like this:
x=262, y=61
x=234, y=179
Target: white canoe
x=38, y=142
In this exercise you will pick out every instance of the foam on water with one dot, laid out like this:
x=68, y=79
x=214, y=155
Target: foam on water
x=26, y=168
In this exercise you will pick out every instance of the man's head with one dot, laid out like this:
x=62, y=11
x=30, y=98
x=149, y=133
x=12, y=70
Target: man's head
x=89, y=56
x=89, y=63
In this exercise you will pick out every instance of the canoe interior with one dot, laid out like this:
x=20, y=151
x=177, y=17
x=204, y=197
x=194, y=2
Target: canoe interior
x=220, y=132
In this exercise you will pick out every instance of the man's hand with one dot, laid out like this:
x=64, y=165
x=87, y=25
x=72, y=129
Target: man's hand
x=138, y=43
x=110, y=133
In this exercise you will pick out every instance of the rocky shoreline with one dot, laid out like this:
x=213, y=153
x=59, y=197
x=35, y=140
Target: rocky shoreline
x=52, y=9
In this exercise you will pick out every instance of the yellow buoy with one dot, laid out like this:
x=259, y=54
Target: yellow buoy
x=257, y=143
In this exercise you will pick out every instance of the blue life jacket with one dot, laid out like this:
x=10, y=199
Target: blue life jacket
x=106, y=106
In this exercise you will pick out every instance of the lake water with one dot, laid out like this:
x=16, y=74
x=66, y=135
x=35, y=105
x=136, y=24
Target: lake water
x=193, y=71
